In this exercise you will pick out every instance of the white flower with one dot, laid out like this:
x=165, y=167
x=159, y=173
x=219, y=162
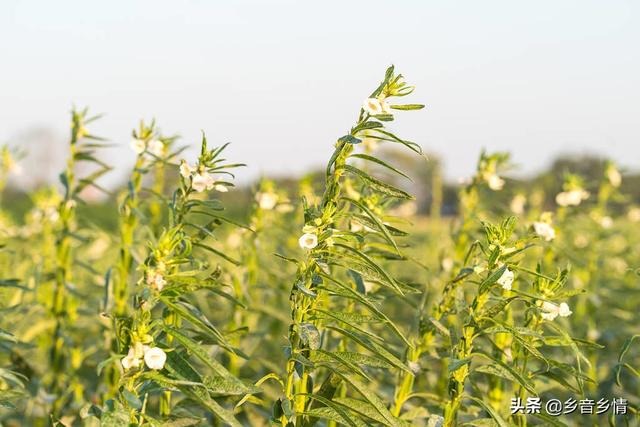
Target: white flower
x=495, y=182
x=572, y=197
x=634, y=214
x=564, y=310
x=155, y=358
x=614, y=177
x=550, y=310
x=221, y=188
x=374, y=106
x=447, y=264
x=138, y=145
x=544, y=230
x=202, y=181
x=186, y=170
x=156, y=147
x=266, y=201
x=606, y=222
x=156, y=280
x=517, y=204
x=129, y=362
x=308, y=241
x=132, y=359
x=506, y=280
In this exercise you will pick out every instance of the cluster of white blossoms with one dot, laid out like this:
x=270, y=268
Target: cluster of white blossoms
x=201, y=180
x=506, y=280
x=550, y=310
x=376, y=106
x=154, y=146
x=266, y=200
x=571, y=197
x=153, y=357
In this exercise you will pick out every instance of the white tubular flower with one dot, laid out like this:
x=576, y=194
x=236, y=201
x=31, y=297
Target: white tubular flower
x=506, y=280
x=550, y=310
x=186, y=170
x=572, y=197
x=266, y=201
x=447, y=264
x=495, y=182
x=130, y=360
x=155, y=358
x=564, y=310
x=373, y=106
x=606, y=222
x=156, y=147
x=386, y=108
x=202, y=181
x=517, y=204
x=544, y=230
x=308, y=241
x=156, y=280
x=614, y=177
x=634, y=214
x=138, y=145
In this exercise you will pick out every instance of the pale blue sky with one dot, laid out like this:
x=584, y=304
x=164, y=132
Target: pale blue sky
x=282, y=79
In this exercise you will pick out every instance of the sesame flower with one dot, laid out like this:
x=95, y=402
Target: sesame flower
x=186, y=170
x=614, y=177
x=202, y=181
x=138, y=145
x=134, y=356
x=606, y=222
x=375, y=106
x=156, y=147
x=544, y=230
x=372, y=106
x=517, y=204
x=634, y=214
x=572, y=197
x=130, y=361
x=155, y=358
x=156, y=280
x=550, y=310
x=308, y=241
x=495, y=182
x=506, y=280
x=267, y=200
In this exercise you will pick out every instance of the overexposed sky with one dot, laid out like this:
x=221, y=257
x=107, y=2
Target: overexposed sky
x=282, y=79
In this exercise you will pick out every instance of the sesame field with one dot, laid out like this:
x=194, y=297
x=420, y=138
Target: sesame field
x=351, y=296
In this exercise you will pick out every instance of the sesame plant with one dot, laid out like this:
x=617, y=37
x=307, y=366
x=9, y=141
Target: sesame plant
x=333, y=299
x=328, y=344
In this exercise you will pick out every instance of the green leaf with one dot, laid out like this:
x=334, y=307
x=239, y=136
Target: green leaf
x=378, y=185
x=379, y=407
x=492, y=412
x=407, y=106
